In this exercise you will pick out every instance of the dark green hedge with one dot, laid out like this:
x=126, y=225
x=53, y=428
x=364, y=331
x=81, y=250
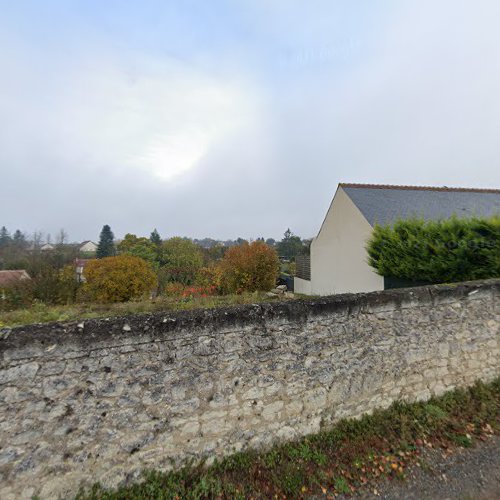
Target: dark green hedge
x=443, y=251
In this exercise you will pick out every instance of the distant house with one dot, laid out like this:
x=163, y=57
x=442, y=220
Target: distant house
x=338, y=261
x=11, y=277
x=47, y=247
x=88, y=247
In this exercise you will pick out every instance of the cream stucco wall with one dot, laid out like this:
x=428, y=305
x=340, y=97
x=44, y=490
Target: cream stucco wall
x=338, y=255
x=301, y=286
x=88, y=247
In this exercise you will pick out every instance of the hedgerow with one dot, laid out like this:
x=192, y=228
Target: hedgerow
x=443, y=251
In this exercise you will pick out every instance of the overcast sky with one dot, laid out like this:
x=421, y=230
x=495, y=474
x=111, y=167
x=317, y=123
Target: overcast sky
x=229, y=118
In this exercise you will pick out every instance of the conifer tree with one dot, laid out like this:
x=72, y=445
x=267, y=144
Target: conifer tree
x=19, y=239
x=5, y=238
x=106, y=246
x=155, y=237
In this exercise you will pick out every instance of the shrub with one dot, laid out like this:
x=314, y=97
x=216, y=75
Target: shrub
x=443, y=251
x=249, y=267
x=16, y=296
x=68, y=285
x=178, y=290
x=46, y=284
x=118, y=279
x=181, y=259
x=210, y=276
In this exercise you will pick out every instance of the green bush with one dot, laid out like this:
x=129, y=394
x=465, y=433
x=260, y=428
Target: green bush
x=181, y=260
x=442, y=251
x=17, y=295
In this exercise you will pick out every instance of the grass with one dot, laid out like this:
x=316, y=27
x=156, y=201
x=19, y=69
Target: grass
x=350, y=455
x=42, y=313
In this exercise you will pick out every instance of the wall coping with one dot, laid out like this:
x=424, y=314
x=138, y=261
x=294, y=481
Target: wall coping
x=170, y=325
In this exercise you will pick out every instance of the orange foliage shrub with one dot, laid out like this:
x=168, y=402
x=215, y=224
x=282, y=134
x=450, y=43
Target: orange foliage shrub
x=118, y=279
x=178, y=290
x=249, y=267
x=210, y=277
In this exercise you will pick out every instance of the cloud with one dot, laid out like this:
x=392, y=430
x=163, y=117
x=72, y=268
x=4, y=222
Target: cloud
x=249, y=135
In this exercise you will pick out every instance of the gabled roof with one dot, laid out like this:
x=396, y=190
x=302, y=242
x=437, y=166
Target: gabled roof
x=385, y=204
x=13, y=276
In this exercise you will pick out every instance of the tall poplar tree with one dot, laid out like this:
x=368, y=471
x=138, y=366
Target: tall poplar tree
x=106, y=246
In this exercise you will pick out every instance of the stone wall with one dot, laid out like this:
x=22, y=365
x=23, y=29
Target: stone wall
x=103, y=399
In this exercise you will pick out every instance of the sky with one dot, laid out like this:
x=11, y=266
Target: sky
x=237, y=118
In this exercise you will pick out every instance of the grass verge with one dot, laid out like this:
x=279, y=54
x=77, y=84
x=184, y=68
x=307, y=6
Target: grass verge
x=42, y=313
x=350, y=455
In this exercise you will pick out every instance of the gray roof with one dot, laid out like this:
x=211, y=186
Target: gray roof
x=385, y=204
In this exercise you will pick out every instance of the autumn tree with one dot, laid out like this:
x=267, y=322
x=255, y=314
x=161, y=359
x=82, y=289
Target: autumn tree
x=118, y=279
x=249, y=267
x=106, y=246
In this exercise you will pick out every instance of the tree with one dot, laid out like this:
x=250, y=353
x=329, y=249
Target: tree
x=5, y=238
x=249, y=267
x=19, y=239
x=106, y=246
x=271, y=242
x=181, y=259
x=62, y=237
x=155, y=237
x=289, y=246
x=68, y=285
x=140, y=247
x=118, y=279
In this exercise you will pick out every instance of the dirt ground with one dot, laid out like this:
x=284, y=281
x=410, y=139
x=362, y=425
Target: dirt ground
x=466, y=474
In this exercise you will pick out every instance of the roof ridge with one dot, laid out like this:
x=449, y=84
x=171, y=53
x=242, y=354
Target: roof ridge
x=419, y=188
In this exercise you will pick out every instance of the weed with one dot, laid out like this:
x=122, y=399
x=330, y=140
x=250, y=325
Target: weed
x=42, y=313
x=341, y=485
x=461, y=440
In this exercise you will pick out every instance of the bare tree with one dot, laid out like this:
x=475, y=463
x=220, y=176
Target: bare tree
x=62, y=237
x=37, y=240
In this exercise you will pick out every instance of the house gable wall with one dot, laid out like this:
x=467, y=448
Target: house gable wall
x=338, y=255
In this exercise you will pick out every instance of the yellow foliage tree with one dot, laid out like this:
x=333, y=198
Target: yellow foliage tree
x=118, y=279
x=249, y=267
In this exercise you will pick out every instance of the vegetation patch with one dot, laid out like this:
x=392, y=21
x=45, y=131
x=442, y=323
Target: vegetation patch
x=444, y=251
x=351, y=455
x=186, y=298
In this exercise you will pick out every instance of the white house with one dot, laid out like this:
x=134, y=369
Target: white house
x=338, y=257
x=88, y=247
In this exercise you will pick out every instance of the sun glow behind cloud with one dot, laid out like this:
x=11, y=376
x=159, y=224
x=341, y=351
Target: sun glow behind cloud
x=190, y=114
x=131, y=115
